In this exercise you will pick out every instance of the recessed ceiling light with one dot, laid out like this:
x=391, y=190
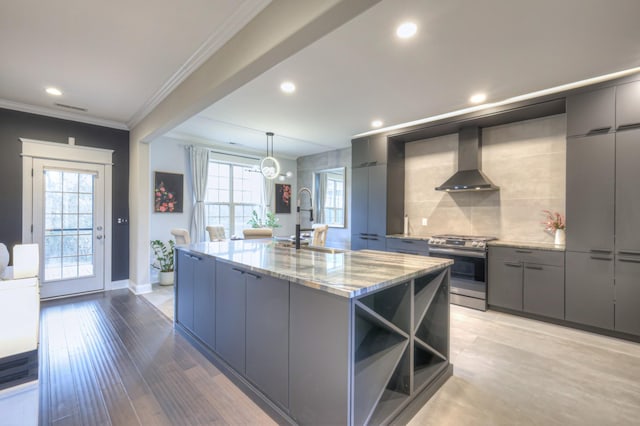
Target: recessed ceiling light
x=478, y=98
x=53, y=91
x=376, y=123
x=406, y=30
x=288, y=87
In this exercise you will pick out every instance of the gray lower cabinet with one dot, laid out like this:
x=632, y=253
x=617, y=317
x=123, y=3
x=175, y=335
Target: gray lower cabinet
x=627, y=294
x=231, y=295
x=409, y=246
x=543, y=291
x=589, y=289
x=505, y=283
x=184, y=289
x=267, y=336
x=319, y=357
x=527, y=280
x=195, y=295
x=204, y=293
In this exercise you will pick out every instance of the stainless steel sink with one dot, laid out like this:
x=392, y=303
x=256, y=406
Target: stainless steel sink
x=328, y=250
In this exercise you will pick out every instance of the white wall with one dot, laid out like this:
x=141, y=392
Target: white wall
x=169, y=155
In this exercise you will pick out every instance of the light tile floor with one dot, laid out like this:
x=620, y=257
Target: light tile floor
x=510, y=370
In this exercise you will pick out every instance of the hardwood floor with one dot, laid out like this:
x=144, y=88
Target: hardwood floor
x=114, y=359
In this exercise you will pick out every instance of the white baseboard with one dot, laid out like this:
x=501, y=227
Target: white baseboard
x=117, y=285
x=139, y=288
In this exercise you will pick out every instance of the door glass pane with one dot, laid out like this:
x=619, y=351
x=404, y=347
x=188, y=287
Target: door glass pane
x=68, y=233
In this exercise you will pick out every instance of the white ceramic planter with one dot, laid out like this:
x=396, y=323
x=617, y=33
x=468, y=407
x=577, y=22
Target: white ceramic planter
x=165, y=278
x=560, y=237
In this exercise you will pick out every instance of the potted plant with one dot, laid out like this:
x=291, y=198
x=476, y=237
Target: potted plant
x=270, y=221
x=164, y=260
x=555, y=225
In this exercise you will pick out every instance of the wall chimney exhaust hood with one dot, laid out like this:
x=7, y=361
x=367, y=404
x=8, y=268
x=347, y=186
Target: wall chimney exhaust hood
x=469, y=177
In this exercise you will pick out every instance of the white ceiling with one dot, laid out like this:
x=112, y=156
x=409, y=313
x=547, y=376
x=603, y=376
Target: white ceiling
x=116, y=58
x=119, y=58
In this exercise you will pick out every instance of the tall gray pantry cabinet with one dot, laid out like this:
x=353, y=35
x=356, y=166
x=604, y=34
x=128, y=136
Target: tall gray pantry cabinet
x=603, y=207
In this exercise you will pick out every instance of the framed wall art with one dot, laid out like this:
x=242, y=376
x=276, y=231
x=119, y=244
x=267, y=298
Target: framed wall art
x=283, y=198
x=168, y=192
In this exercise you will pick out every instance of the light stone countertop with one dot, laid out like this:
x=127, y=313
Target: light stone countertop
x=347, y=274
x=527, y=245
x=409, y=237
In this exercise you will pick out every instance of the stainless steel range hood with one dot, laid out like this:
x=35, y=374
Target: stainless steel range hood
x=469, y=177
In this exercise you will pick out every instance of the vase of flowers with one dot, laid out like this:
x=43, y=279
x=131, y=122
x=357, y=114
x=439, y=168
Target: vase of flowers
x=164, y=261
x=555, y=225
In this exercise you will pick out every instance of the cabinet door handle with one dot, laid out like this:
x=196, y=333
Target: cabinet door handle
x=623, y=259
x=257, y=277
x=372, y=163
x=599, y=130
x=537, y=268
x=513, y=264
x=600, y=258
x=629, y=252
x=238, y=270
x=407, y=241
x=524, y=251
x=195, y=257
x=364, y=238
x=600, y=251
x=628, y=126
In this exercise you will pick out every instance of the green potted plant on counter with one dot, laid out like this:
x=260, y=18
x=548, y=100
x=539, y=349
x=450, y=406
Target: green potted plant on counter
x=163, y=260
x=270, y=220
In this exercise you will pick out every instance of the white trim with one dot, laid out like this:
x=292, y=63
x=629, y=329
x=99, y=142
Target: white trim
x=64, y=115
x=241, y=17
x=59, y=151
x=32, y=149
x=140, y=288
x=117, y=285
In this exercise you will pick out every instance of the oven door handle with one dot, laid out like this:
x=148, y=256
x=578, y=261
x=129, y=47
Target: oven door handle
x=454, y=252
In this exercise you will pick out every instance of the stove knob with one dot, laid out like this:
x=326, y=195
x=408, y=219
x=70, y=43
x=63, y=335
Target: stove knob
x=481, y=244
x=474, y=244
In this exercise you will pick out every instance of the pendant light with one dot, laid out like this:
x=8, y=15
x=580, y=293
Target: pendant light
x=269, y=166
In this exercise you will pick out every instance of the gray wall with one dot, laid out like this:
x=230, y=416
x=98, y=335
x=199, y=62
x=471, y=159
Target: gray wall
x=307, y=165
x=525, y=159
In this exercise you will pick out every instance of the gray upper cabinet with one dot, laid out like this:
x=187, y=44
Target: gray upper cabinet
x=627, y=194
x=267, y=363
x=628, y=105
x=231, y=290
x=591, y=112
x=590, y=193
x=589, y=289
x=369, y=151
x=369, y=207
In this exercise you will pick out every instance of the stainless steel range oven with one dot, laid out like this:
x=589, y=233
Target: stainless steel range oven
x=469, y=269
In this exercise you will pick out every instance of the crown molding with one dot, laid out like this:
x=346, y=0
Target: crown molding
x=64, y=115
x=241, y=17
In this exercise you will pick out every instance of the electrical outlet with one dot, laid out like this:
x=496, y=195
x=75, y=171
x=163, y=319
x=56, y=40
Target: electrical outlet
x=424, y=221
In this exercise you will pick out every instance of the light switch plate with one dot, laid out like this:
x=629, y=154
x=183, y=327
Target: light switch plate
x=424, y=221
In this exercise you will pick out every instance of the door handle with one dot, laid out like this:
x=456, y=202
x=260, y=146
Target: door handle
x=622, y=259
x=600, y=251
x=99, y=228
x=524, y=251
x=257, y=277
x=99, y=237
x=599, y=130
x=629, y=252
x=628, y=126
x=238, y=270
x=513, y=264
x=600, y=258
x=538, y=268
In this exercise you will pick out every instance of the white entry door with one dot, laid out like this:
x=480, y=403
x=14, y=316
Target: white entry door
x=68, y=225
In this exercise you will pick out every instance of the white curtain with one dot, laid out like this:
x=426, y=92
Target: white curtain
x=199, y=162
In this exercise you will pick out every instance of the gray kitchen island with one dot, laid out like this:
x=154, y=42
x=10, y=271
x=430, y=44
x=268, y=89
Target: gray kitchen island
x=319, y=336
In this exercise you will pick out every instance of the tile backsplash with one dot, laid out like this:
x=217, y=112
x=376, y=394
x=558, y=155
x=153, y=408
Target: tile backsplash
x=527, y=160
